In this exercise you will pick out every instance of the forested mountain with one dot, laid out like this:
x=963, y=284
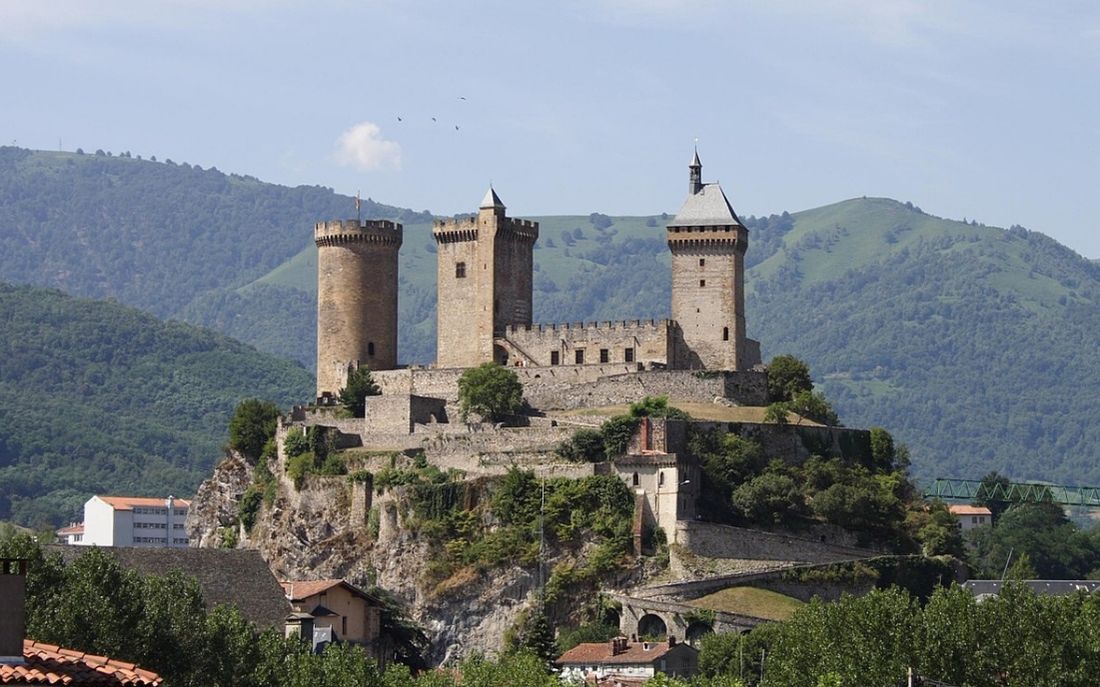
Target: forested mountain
x=96, y=397
x=976, y=345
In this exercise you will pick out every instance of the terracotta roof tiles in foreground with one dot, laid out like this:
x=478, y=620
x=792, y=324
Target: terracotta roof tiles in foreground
x=46, y=664
x=599, y=653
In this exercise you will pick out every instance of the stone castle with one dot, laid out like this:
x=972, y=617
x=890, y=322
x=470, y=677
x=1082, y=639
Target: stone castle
x=484, y=305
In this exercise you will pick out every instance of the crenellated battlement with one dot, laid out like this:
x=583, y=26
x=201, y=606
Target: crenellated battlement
x=519, y=229
x=339, y=232
x=607, y=326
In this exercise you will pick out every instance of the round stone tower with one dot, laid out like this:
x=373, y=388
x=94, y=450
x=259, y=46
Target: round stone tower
x=356, y=298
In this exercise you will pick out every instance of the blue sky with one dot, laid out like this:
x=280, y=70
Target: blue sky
x=989, y=111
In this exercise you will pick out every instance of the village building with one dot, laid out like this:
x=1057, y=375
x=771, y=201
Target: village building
x=325, y=611
x=621, y=658
x=130, y=521
x=970, y=517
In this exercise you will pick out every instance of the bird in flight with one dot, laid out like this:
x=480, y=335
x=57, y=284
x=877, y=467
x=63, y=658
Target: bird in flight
x=399, y=119
x=433, y=119
x=461, y=97
x=456, y=127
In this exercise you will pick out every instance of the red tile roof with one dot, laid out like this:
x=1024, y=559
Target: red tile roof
x=129, y=502
x=963, y=509
x=297, y=590
x=75, y=528
x=46, y=664
x=599, y=653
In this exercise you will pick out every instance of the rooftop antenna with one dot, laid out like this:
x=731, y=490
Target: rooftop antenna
x=1007, y=561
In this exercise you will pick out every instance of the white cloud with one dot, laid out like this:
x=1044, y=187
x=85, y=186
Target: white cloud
x=363, y=147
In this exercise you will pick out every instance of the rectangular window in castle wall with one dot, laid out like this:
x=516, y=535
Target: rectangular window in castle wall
x=370, y=348
x=460, y=270
x=555, y=358
x=628, y=355
x=605, y=355
x=702, y=262
x=702, y=282
x=578, y=356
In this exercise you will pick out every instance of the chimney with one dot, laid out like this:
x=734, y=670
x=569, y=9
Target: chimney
x=13, y=600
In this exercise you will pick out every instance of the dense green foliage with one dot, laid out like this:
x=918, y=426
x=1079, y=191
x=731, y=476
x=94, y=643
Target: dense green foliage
x=490, y=391
x=100, y=398
x=787, y=376
x=354, y=394
x=252, y=426
x=878, y=501
x=1016, y=639
x=1055, y=547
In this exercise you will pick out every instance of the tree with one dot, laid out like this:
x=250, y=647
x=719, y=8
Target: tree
x=939, y=534
x=769, y=498
x=535, y=636
x=252, y=424
x=490, y=390
x=354, y=394
x=787, y=375
x=991, y=494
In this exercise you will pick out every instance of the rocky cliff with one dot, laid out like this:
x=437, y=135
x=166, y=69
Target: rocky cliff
x=341, y=526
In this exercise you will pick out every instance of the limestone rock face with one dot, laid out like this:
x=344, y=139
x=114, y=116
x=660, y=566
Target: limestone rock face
x=323, y=530
x=215, y=502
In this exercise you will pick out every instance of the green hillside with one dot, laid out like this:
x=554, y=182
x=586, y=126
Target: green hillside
x=96, y=397
x=976, y=345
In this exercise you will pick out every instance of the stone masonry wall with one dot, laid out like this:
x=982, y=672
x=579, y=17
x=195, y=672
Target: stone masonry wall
x=632, y=341
x=723, y=541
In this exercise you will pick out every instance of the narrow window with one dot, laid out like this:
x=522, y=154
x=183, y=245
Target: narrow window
x=579, y=356
x=725, y=333
x=555, y=358
x=628, y=355
x=635, y=479
x=370, y=348
x=605, y=355
x=661, y=478
x=702, y=282
x=702, y=262
x=460, y=270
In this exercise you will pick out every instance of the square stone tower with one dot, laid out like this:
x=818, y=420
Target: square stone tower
x=708, y=244
x=485, y=274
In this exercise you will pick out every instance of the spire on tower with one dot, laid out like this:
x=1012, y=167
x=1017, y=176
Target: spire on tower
x=491, y=200
x=695, y=177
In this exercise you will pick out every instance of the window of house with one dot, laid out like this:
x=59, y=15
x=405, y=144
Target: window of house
x=628, y=355
x=344, y=626
x=635, y=479
x=579, y=356
x=370, y=348
x=725, y=333
x=702, y=282
x=460, y=270
x=702, y=262
x=605, y=355
x=555, y=358
x=974, y=520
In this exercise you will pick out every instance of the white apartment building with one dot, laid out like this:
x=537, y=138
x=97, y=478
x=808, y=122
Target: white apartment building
x=130, y=521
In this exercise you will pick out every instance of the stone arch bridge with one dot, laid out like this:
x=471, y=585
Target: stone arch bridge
x=647, y=617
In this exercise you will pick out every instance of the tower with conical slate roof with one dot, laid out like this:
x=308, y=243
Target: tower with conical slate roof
x=708, y=244
x=485, y=279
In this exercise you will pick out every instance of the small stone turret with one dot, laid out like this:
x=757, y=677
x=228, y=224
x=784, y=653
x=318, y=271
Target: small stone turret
x=356, y=298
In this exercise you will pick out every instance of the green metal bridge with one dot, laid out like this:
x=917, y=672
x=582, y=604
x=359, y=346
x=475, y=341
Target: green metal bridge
x=1013, y=492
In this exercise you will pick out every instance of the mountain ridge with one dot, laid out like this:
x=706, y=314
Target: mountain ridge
x=970, y=342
